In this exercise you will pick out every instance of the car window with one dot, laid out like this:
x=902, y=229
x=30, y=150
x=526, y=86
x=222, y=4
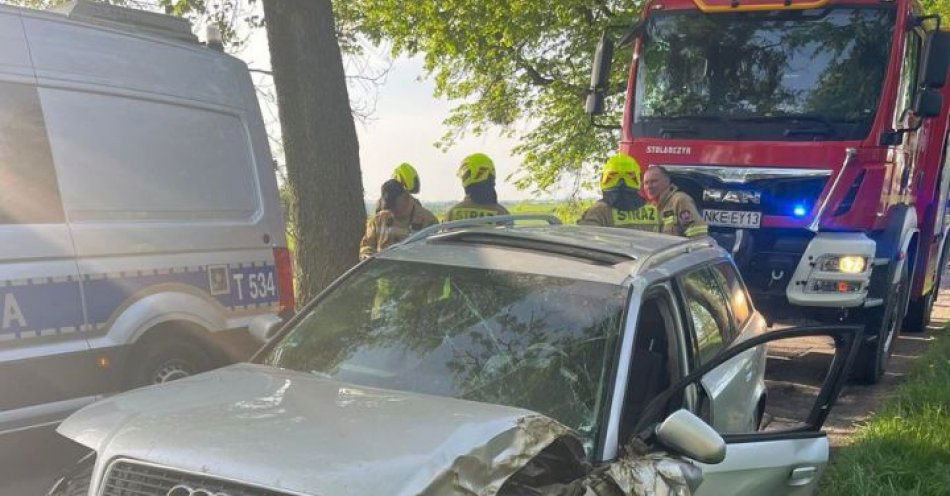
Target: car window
x=708, y=314
x=739, y=301
x=654, y=362
x=525, y=340
x=28, y=188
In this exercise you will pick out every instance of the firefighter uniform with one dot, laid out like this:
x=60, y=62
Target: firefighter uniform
x=387, y=228
x=622, y=205
x=477, y=173
x=644, y=218
x=469, y=209
x=679, y=215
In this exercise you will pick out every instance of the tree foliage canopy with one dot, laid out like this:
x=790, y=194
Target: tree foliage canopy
x=521, y=66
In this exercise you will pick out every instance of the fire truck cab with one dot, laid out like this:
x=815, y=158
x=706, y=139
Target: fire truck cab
x=813, y=137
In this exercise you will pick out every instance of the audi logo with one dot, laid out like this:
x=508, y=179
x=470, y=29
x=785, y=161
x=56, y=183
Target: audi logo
x=183, y=490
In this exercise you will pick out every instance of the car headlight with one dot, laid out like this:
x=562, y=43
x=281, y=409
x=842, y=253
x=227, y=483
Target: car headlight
x=75, y=481
x=846, y=264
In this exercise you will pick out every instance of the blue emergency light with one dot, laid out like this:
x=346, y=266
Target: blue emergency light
x=799, y=211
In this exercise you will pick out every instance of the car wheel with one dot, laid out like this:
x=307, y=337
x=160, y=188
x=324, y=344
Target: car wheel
x=886, y=325
x=166, y=361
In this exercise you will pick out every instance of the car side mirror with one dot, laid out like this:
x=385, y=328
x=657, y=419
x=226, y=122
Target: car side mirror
x=936, y=61
x=600, y=76
x=264, y=327
x=928, y=104
x=687, y=435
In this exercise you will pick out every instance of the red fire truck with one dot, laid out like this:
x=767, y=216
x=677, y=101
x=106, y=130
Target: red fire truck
x=813, y=136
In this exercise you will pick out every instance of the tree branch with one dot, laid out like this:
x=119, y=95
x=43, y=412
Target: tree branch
x=532, y=72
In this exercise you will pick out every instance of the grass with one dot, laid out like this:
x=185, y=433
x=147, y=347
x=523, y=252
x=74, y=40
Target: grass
x=905, y=448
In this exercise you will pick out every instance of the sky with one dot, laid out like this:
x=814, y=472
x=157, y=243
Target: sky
x=406, y=123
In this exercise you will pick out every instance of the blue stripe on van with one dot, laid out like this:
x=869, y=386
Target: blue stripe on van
x=40, y=307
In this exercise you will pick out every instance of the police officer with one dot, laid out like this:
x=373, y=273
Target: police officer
x=477, y=173
x=678, y=213
x=621, y=205
x=399, y=215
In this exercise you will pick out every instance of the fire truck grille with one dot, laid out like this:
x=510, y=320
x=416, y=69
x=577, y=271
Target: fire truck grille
x=127, y=478
x=779, y=197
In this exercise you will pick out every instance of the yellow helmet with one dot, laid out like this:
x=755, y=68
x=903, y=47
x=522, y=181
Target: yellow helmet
x=475, y=169
x=407, y=176
x=620, y=167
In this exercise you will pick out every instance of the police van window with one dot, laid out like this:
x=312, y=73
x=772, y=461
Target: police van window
x=739, y=300
x=133, y=159
x=28, y=190
x=707, y=307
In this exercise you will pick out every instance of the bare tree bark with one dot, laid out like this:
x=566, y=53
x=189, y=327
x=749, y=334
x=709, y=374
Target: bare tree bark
x=320, y=143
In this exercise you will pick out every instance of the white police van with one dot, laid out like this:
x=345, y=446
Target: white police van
x=140, y=226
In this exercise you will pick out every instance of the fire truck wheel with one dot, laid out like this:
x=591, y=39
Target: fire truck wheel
x=918, y=313
x=886, y=322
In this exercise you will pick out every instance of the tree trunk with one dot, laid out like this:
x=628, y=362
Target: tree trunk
x=320, y=143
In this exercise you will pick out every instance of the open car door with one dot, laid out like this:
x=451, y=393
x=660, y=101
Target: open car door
x=787, y=452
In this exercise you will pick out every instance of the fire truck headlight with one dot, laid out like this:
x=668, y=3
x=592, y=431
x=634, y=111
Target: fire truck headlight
x=847, y=264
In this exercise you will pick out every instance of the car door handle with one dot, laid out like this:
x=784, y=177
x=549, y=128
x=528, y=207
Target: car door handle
x=802, y=476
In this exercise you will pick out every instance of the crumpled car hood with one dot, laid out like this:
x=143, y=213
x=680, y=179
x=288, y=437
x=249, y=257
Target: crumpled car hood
x=299, y=433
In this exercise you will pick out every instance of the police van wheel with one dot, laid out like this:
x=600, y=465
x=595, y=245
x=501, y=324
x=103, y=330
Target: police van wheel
x=166, y=361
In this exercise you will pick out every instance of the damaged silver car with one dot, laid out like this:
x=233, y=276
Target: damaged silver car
x=485, y=359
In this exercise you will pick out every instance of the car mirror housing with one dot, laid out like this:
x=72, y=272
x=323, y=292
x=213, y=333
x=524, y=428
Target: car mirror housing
x=936, y=61
x=600, y=75
x=928, y=104
x=687, y=435
x=264, y=327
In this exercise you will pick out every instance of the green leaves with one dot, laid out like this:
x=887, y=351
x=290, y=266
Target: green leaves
x=521, y=66
x=941, y=7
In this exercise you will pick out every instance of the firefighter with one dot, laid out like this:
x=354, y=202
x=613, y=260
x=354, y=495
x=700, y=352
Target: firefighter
x=477, y=173
x=621, y=205
x=399, y=215
x=678, y=213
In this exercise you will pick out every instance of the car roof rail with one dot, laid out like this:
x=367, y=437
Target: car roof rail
x=495, y=220
x=513, y=240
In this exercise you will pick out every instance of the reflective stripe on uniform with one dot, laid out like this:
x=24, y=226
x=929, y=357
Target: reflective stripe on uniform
x=471, y=213
x=646, y=215
x=696, y=231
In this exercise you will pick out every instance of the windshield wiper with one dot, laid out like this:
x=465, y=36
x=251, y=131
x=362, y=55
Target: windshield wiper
x=687, y=129
x=673, y=131
x=827, y=129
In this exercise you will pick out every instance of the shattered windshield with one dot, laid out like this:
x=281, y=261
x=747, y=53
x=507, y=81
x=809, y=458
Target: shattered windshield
x=801, y=75
x=523, y=340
